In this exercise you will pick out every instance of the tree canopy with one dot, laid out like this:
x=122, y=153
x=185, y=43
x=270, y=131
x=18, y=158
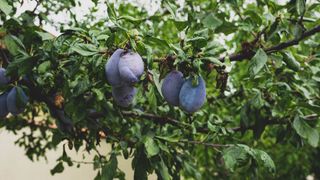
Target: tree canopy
x=260, y=61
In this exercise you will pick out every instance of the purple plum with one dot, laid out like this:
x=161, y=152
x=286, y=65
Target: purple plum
x=131, y=67
x=3, y=78
x=171, y=87
x=12, y=101
x=124, y=95
x=112, y=70
x=191, y=98
x=3, y=105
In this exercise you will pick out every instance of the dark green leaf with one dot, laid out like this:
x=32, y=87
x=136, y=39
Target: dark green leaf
x=109, y=170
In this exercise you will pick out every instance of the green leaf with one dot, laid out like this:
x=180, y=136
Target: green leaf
x=305, y=131
x=266, y=159
x=198, y=42
x=109, y=170
x=140, y=164
x=156, y=41
x=291, y=62
x=13, y=44
x=212, y=60
x=257, y=100
x=98, y=93
x=163, y=171
x=43, y=67
x=211, y=21
x=45, y=36
x=312, y=107
x=234, y=155
x=57, y=169
x=85, y=49
x=301, y=6
x=131, y=19
x=5, y=7
x=257, y=62
x=181, y=25
x=151, y=147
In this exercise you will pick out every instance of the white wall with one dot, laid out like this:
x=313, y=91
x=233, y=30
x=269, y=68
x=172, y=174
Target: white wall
x=14, y=165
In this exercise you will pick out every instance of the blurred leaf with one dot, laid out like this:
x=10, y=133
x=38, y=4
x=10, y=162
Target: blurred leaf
x=13, y=44
x=85, y=49
x=5, y=7
x=57, y=169
x=151, y=147
x=305, y=131
x=211, y=21
x=301, y=5
x=257, y=62
x=109, y=169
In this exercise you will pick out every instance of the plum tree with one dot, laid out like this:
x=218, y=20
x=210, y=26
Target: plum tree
x=15, y=104
x=3, y=105
x=131, y=67
x=253, y=89
x=3, y=78
x=171, y=87
x=192, y=97
x=124, y=95
x=112, y=70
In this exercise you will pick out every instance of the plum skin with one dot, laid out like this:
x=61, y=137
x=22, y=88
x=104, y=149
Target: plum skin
x=3, y=78
x=171, y=87
x=3, y=105
x=112, y=70
x=124, y=95
x=131, y=67
x=191, y=98
x=12, y=101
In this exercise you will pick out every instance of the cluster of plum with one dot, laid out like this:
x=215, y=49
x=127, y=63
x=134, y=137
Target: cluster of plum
x=123, y=70
x=184, y=93
x=9, y=101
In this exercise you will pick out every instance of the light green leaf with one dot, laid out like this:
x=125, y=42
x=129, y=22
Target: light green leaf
x=211, y=21
x=151, y=147
x=13, y=44
x=257, y=62
x=85, y=49
x=5, y=7
x=43, y=67
x=45, y=36
x=301, y=6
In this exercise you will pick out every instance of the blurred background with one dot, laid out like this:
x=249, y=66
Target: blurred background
x=15, y=165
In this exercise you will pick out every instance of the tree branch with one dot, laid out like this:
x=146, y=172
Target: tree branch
x=249, y=54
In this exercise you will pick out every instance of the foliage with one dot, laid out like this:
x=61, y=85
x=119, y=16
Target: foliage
x=260, y=61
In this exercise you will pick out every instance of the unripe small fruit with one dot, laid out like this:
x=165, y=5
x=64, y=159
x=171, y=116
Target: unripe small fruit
x=131, y=67
x=3, y=78
x=171, y=87
x=191, y=98
x=3, y=105
x=124, y=95
x=12, y=101
x=112, y=70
